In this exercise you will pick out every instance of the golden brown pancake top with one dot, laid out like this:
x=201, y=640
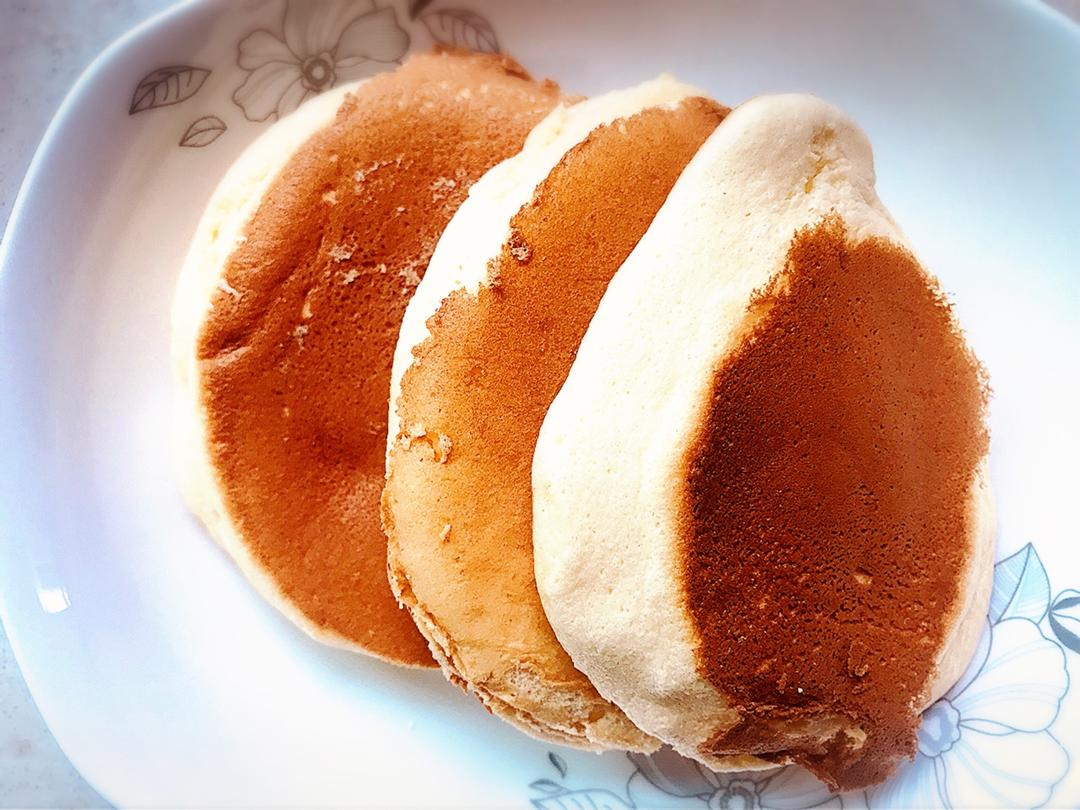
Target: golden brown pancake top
x=459, y=515
x=828, y=506
x=296, y=353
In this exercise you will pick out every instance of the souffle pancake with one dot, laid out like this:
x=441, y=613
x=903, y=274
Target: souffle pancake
x=287, y=313
x=484, y=347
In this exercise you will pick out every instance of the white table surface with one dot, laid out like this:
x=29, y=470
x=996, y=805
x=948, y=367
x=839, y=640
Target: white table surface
x=44, y=45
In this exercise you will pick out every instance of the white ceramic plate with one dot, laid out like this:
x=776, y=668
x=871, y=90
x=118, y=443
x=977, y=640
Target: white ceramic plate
x=168, y=682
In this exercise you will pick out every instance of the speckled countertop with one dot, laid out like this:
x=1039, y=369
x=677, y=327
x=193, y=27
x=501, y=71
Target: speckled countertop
x=44, y=45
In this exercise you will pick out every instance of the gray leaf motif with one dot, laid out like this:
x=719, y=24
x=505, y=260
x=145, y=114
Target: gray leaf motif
x=1065, y=619
x=547, y=786
x=203, y=132
x=591, y=799
x=1021, y=587
x=166, y=86
x=462, y=28
x=558, y=763
x=416, y=6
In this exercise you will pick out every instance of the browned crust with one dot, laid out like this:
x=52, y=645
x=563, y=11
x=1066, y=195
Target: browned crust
x=442, y=648
x=827, y=517
x=295, y=358
x=485, y=379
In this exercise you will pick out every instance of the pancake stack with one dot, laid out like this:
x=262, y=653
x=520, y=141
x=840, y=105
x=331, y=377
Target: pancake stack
x=681, y=443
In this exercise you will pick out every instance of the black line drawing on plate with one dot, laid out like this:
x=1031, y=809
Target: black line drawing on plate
x=318, y=46
x=461, y=28
x=203, y=132
x=167, y=86
x=1065, y=619
x=416, y=6
x=558, y=763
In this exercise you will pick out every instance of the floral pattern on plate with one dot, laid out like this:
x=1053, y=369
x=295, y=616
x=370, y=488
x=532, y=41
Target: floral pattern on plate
x=311, y=46
x=318, y=46
x=989, y=742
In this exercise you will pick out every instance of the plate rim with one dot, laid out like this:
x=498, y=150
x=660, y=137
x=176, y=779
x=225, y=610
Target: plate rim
x=58, y=122
x=115, y=49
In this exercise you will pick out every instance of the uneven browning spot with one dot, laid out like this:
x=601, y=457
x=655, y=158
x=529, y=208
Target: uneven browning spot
x=486, y=377
x=296, y=364
x=827, y=507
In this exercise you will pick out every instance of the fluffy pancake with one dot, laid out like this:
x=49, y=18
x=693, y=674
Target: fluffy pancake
x=485, y=344
x=762, y=521
x=285, y=319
